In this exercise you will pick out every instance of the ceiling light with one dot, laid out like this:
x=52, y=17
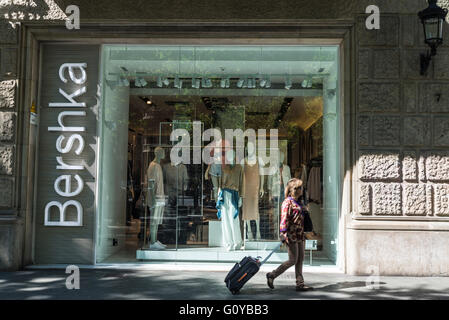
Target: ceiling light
x=304, y=83
x=195, y=83
x=309, y=84
x=123, y=82
x=178, y=83
x=140, y=82
x=206, y=83
x=268, y=84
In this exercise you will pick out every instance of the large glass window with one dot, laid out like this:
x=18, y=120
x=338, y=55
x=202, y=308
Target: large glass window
x=175, y=184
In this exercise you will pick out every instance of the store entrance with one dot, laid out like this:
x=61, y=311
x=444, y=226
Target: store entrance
x=167, y=209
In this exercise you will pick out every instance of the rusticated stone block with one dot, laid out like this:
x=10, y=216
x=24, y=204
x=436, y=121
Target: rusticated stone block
x=409, y=26
x=387, y=130
x=6, y=160
x=437, y=166
x=8, y=61
x=387, y=35
x=379, y=97
x=434, y=97
x=422, y=168
x=415, y=201
x=442, y=63
x=410, y=166
x=383, y=166
x=441, y=131
x=365, y=199
x=387, y=199
x=410, y=100
x=386, y=64
x=441, y=197
x=365, y=63
x=363, y=130
x=7, y=121
x=429, y=199
x=8, y=32
x=416, y=131
x=6, y=187
x=7, y=93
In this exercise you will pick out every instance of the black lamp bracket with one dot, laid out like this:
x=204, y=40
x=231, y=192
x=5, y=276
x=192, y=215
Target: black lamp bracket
x=425, y=62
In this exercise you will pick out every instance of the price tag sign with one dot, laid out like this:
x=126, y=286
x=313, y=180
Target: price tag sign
x=311, y=244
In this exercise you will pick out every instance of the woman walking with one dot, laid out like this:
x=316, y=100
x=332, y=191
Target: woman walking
x=292, y=233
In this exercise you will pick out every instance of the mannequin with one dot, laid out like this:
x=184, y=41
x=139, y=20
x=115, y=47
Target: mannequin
x=253, y=186
x=276, y=186
x=176, y=181
x=156, y=197
x=229, y=202
x=214, y=170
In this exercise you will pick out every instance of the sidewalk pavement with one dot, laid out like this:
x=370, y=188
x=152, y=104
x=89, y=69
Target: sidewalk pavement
x=171, y=284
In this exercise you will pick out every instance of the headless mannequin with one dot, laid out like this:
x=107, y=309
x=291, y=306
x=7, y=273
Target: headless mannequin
x=214, y=171
x=252, y=158
x=156, y=197
x=231, y=234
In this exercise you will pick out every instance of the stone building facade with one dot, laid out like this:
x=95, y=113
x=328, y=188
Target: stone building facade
x=395, y=199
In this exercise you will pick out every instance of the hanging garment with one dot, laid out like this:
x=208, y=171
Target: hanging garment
x=314, y=184
x=304, y=175
x=251, y=181
x=278, y=181
x=176, y=178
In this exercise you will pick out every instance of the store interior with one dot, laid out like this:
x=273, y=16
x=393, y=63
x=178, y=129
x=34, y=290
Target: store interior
x=190, y=214
x=154, y=208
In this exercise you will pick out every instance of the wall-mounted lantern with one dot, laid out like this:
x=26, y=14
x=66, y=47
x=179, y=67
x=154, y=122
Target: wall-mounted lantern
x=432, y=19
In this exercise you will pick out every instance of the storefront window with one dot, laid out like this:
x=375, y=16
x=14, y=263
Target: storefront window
x=166, y=110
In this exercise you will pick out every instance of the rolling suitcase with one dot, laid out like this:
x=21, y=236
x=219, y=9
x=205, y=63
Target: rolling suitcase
x=245, y=270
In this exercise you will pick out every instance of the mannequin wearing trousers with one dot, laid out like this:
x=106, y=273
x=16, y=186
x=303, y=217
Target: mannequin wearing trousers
x=229, y=202
x=156, y=197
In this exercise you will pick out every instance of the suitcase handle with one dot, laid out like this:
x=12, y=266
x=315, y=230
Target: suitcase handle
x=269, y=256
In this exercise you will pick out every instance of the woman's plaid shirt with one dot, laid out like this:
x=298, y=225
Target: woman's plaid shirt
x=292, y=220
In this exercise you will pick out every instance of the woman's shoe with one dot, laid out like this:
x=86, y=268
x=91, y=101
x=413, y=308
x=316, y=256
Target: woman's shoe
x=303, y=288
x=270, y=281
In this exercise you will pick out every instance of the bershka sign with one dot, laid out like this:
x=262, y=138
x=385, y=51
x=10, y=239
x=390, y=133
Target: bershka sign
x=76, y=73
x=66, y=173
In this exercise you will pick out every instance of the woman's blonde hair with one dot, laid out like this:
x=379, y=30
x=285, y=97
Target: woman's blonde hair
x=290, y=184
